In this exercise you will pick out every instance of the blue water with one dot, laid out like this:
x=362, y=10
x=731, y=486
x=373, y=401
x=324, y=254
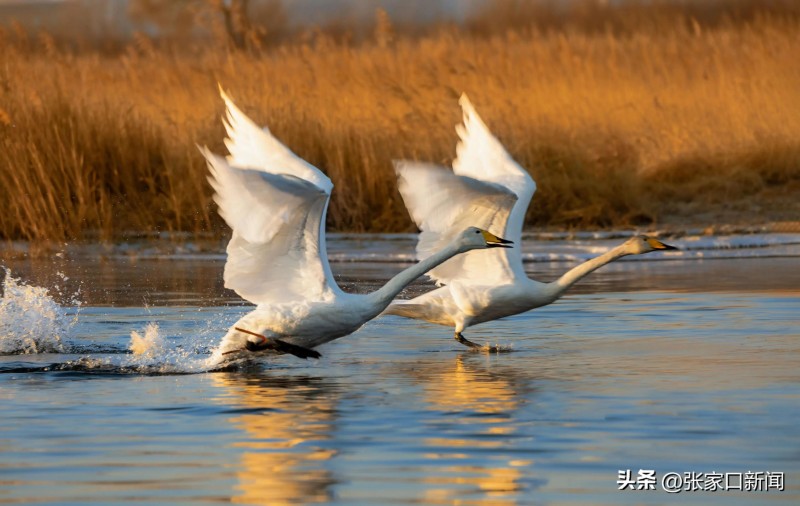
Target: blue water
x=682, y=366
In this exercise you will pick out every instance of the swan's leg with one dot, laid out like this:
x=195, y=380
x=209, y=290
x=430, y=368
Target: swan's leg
x=466, y=342
x=271, y=343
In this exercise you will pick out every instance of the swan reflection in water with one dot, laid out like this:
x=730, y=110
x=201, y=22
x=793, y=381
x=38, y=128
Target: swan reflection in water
x=464, y=433
x=479, y=457
x=284, y=420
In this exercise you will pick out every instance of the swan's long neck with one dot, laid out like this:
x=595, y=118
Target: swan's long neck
x=383, y=296
x=575, y=274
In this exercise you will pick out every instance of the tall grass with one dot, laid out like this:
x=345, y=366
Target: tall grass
x=683, y=122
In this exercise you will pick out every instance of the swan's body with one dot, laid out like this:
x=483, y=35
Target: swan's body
x=488, y=188
x=275, y=202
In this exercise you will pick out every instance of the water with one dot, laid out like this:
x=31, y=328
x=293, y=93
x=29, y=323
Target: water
x=688, y=364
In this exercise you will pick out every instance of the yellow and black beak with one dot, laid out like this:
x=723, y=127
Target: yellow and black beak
x=492, y=241
x=656, y=244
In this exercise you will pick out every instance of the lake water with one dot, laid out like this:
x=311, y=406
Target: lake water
x=687, y=363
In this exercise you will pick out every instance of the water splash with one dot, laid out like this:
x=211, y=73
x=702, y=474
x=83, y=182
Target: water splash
x=148, y=346
x=151, y=353
x=31, y=321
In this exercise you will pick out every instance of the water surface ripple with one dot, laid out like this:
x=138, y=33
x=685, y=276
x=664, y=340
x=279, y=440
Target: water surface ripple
x=669, y=366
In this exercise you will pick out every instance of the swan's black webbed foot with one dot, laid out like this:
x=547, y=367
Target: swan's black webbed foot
x=475, y=346
x=282, y=347
x=271, y=343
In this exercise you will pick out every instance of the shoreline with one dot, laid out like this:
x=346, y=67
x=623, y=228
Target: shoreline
x=665, y=229
x=781, y=239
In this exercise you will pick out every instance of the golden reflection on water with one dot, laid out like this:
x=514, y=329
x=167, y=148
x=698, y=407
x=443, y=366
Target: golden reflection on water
x=488, y=399
x=475, y=461
x=280, y=463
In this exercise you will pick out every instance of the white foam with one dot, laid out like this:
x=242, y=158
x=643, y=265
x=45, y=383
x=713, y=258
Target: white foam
x=31, y=321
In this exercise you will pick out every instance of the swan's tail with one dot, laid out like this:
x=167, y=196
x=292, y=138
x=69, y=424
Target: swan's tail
x=426, y=310
x=405, y=309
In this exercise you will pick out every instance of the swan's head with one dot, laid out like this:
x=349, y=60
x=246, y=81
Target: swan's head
x=477, y=238
x=644, y=244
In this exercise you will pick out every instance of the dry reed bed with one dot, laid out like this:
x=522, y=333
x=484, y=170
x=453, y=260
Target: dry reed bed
x=617, y=130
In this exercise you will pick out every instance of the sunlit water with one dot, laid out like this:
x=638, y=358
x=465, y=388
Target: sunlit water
x=689, y=364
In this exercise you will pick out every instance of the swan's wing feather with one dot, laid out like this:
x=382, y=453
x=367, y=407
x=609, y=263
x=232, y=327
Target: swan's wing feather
x=274, y=255
x=255, y=147
x=443, y=204
x=481, y=156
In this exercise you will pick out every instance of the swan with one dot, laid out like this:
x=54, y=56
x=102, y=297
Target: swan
x=275, y=203
x=488, y=189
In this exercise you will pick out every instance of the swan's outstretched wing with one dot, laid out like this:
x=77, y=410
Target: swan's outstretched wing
x=253, y=147
x=481, y=156
x=442, y=204
x=480, y=159
x=274, y=255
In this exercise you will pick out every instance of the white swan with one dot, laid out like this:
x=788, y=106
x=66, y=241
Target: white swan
x=489, y=189
x=275, y=202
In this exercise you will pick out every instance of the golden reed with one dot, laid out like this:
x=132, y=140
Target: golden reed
x=682, y=122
